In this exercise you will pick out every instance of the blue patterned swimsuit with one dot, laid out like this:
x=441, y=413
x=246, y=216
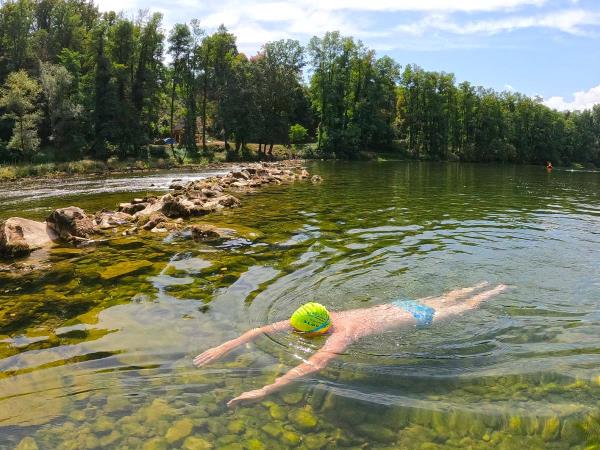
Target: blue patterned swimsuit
x=423, y=314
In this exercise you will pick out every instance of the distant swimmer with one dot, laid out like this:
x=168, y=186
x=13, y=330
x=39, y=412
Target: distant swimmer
x=346, y=327
x=549, y=166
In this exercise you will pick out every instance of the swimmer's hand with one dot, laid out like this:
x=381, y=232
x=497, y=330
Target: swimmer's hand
x=257, y=394
x=214, y=353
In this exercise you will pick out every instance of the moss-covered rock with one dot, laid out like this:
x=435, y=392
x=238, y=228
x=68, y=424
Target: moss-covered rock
x=255, y=444
x=27, y=443
x=236, y=426
x=273, y=429
x=376, y=432
x=303, y=419
x=179, y=430
x=290, y=438
x=292, y=398
x=196, y=443
x=156, y=443
x=316, y=441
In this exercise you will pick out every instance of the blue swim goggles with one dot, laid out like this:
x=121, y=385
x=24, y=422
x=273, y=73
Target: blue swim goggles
x=423, y=314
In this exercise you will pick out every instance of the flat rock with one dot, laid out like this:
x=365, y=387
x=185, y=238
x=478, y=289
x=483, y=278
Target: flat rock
x=19, y=237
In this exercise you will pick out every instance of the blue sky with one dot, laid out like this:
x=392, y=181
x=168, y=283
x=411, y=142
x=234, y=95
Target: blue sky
x=549, y=48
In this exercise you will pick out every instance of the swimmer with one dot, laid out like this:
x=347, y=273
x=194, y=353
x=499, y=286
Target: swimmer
x=346, y=327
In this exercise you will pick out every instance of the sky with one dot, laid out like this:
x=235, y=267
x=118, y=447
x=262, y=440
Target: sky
x=546, y=48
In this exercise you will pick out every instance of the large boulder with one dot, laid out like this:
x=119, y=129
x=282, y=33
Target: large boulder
x=70, y=223
x=19, y=237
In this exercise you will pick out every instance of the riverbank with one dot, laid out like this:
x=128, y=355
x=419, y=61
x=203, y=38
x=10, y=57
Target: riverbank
x=216, y=158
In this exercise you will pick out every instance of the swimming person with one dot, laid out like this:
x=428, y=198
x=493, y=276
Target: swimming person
x=346, y=327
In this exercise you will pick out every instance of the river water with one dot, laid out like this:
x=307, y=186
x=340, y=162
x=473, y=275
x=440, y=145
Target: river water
x=96, y=350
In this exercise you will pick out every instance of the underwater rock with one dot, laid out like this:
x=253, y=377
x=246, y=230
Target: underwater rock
x=155, y=444
x=290, y=438
x=27, y=443
x=19, y=237
x=292, y=398
x=236, y=426
x=71, y=222
x=103, y=424
x=255, y=444
x=180, y=429
x=273, y=429
x=110, y=439
x=196, y=443
x=316, y=441
x=124, y=268
x=159, y=409
x=377, y=432
x=303, y=419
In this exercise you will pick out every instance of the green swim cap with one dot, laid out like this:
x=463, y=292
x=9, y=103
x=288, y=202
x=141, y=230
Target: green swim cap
x=311, y=318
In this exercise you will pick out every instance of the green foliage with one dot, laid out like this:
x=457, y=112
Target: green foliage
x=297, y=134
x=19, y=97
x=108, y=92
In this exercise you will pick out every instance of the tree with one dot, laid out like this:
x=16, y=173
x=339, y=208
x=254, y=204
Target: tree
x=180, y=41
x=19, y=97
x=57, y=85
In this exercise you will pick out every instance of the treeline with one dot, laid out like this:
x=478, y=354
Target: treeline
x=77, y=83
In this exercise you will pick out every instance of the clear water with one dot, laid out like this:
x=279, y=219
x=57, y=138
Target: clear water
x=88, y=361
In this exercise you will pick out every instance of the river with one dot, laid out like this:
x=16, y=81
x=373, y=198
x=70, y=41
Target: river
x=91, y=359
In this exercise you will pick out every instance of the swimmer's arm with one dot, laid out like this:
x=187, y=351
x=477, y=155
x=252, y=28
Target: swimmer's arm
x=215, y=353
x=332, y=348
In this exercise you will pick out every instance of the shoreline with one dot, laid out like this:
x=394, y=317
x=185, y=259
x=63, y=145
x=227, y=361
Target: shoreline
x=19, y=237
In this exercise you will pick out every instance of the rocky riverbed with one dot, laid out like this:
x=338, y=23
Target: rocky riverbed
x=20, y=237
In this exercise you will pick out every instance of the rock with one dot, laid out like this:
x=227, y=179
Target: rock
x=255, y=444
x=70, y=222
x=303, y=419
x=155, y=444
x=207, y=232
x=132, y=208
x=27, y=443
x=273, y=429
x=136, y=201
x=291, y=398
x=377, y=432
x=124, y=268
x=152, y=220
x=290, y=438
x=174, y=207
x=103, y=424
x=19, y=237
x=240, y=174
x=228, y=201
x=159, y=409
x=236, y=426
x=316, y=179
x=176, y=186
x=316, y=441
x=196, y=443
x=179, y=430
x=110, y=219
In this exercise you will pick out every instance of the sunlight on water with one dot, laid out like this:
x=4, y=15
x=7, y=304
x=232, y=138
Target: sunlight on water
x=90, y=358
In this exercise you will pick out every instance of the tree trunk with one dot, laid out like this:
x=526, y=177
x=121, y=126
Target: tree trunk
x=271, y=149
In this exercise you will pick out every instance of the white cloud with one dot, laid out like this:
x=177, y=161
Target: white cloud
x=509, y=88
x=567, y=21
x=581, y=100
